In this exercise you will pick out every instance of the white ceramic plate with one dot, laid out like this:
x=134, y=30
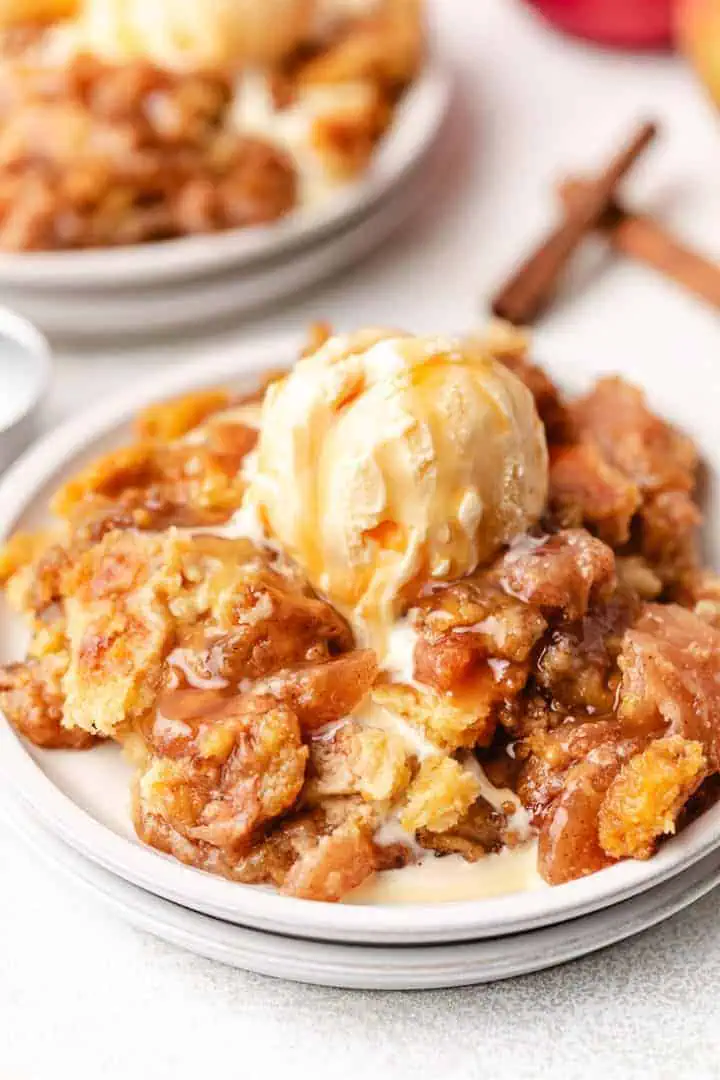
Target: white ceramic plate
x=418, y=120
x=368, y=967
x=175, y=305
x=25, y=372
x=83, y=797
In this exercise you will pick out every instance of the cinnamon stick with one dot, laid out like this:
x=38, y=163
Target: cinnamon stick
x=531, y=286
x=645, y=239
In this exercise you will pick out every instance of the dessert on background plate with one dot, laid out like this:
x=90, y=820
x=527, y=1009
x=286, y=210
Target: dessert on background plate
x=127, y=121
x=406, y=624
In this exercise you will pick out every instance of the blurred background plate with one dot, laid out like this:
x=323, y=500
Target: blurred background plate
x=417, y=122
x=168, y=305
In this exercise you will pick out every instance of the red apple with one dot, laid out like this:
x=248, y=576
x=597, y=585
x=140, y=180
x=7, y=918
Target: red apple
x=632, y=24
x=697, y=23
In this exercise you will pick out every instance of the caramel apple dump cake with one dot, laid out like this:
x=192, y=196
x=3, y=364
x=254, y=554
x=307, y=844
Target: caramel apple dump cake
x=407, y=607
x=125, y=122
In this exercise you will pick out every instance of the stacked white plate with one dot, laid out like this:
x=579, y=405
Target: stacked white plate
x=195, y=280
x=73, y=808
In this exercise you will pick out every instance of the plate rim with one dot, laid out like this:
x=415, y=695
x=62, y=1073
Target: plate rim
x=188, y=257
x=336, y=964
x=158, y=873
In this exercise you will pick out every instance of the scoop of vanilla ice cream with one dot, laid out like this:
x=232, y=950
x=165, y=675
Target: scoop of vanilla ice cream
x=189, y=34
x=386, y=460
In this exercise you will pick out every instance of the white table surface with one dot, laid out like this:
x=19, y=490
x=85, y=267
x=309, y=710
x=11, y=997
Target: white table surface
x=82, y=995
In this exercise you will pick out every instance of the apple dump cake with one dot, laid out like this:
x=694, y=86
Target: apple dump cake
x=126, y=121
x=407, y=606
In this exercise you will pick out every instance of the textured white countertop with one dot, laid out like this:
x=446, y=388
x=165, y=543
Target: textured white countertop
x=82, y=995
